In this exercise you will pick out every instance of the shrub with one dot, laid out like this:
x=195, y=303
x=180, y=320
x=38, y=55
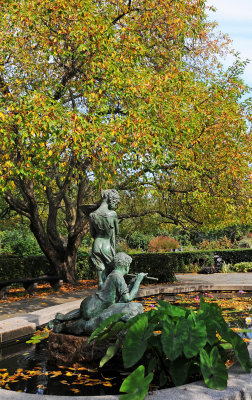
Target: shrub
x=164, y=265
x=158, y=265
x=222, y=243
x=139, y=240
x=14, y=267
x=85, y=269
x=226, y=268
x=19, y=243
x=161, y=265
x=245, y=243
x=243, y=267
x=163, y=244
x=234, y=256
x=122, y=245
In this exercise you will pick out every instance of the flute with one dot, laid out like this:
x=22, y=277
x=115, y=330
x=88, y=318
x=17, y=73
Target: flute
x=147, y=277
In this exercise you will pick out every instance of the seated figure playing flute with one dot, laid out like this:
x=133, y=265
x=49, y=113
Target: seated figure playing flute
x=114, y=297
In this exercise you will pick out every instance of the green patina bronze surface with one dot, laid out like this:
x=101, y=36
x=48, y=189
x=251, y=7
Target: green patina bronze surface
x=114, y=297
x=104, y=227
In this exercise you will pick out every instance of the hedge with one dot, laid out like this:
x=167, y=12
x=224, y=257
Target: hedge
x=15, y=267
x=160, y=265
x=164, y=265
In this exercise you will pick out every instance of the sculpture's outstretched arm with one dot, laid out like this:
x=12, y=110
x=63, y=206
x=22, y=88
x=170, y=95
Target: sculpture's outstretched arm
x=133, y=288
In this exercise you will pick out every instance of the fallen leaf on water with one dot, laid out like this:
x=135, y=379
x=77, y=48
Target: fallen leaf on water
x=107, y=384
x=75, y=390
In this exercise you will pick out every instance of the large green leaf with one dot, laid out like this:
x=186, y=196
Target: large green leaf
x=155, y=341
x=196, y=339
x=173, y=338
x=111, y=351
x=240, y=348
x=213, y=369
x=131, y=321
x=112, y=331
x=241, y=352
x=173, y=311
x=105, y=326
x=209, y=313
x=136, y=385
x=178, y=370
x=135, y=342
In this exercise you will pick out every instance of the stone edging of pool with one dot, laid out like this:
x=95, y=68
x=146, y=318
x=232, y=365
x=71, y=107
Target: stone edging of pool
x=239, y=388
x=18, y=327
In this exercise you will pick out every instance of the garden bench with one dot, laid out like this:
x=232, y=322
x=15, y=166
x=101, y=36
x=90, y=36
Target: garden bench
x=30, y=284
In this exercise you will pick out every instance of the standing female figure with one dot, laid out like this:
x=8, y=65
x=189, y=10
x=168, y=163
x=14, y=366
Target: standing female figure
x=104, y=227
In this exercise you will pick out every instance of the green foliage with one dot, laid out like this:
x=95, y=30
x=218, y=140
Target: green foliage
x=38, y=336
x=233, y=232
x=245, y=243
x=13, y=267
x=213, y=369
x=170, y=341
x=226, y=268
x=111, y=351
x=235, y=256
x=139, y=240
x=18, y=243
x=136, y=385
x=85, y=270
x=173, y=338
x=243, y=267
x=135, y=342
x=163, y=244
x=161, y=265
x=105, y=327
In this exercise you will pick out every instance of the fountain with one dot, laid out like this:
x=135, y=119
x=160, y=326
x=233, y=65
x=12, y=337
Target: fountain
x=113, y=296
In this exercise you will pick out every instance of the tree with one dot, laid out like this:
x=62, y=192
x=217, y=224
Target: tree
x=116, y=93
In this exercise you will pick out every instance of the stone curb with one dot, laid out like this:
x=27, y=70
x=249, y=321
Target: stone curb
x=199, y=287
x=18, y=327
x=239, y=388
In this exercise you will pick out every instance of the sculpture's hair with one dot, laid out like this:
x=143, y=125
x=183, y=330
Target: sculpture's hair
x=121, y=259
x=110, y=194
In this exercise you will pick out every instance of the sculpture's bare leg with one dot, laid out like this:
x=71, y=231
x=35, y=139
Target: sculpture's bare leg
x=67, y=317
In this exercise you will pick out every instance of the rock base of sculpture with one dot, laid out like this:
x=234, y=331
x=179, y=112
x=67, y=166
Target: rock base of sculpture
x=67, y=349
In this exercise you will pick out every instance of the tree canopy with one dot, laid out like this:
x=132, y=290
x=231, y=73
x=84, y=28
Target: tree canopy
x=126, y=94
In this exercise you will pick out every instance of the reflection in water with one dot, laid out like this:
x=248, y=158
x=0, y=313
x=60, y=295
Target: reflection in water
x=26, y=368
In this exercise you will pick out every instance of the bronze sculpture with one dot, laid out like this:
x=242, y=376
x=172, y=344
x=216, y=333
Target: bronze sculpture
x=114, y=297
x=104, y=227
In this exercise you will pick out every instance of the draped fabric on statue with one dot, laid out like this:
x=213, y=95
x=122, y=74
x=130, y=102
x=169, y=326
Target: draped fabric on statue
x=104, y=244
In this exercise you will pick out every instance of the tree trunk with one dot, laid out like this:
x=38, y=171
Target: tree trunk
x=61, y=253
x=64, y=264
